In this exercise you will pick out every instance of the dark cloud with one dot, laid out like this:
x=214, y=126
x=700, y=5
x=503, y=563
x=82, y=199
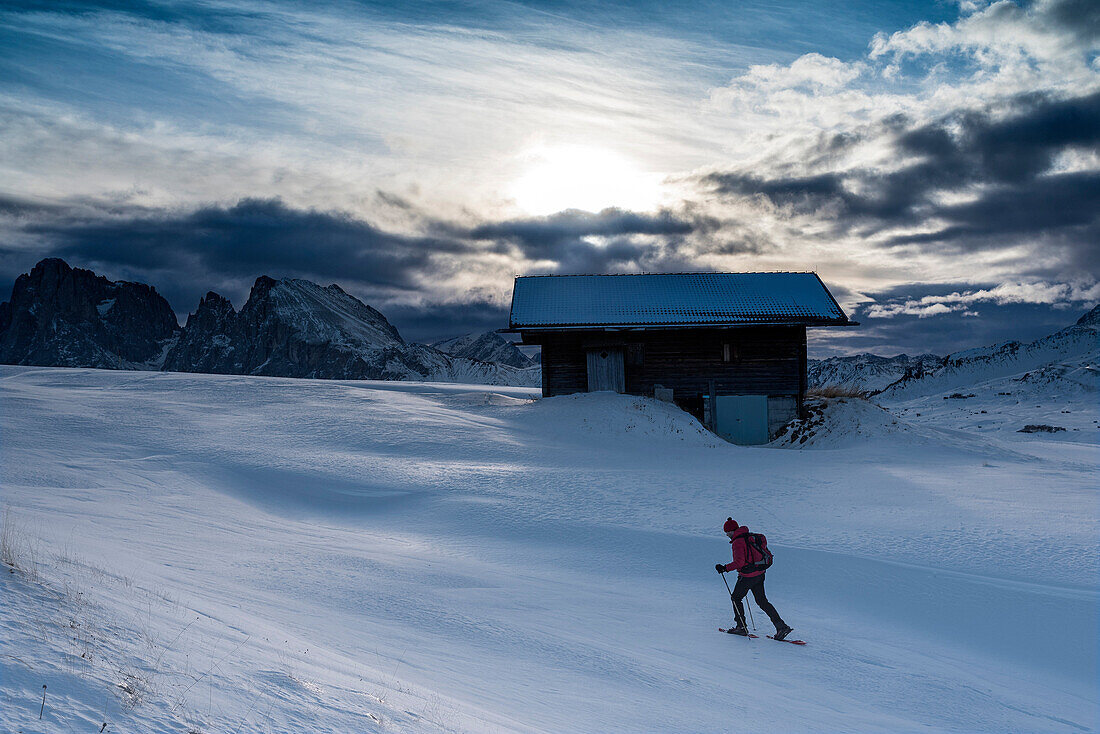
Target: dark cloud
x=544, y=232
x=1079, y=17
x=251, y=237
x=223, y=248
x=1007, y=163
x=215, y=244
x=14, y=206
x=1050, y=203
x=623, y=245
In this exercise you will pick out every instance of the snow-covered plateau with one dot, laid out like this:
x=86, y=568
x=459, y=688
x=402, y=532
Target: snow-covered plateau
x=221, y=553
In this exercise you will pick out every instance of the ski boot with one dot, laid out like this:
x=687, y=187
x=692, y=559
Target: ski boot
x=782, y=632
x=739, y=630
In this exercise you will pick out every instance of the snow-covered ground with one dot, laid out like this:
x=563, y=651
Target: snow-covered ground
x=204, y=553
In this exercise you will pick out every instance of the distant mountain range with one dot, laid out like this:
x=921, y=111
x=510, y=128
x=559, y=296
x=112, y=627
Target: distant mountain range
x=487, y=347
x=903, y=376
x=1070, y=355
x=69, y=317
x=867, y=372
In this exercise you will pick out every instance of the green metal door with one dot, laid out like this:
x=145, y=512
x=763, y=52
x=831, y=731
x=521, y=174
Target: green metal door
x=742, y=419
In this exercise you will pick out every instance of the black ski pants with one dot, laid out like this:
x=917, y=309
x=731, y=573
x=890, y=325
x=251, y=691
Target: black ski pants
x=755, y=584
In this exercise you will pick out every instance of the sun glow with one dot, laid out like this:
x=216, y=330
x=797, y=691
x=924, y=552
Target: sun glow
x=579, y=177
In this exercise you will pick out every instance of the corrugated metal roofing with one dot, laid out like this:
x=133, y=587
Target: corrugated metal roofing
x=673, y=299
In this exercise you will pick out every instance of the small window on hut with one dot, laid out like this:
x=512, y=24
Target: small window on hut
x=727, y=352
x=635, y=354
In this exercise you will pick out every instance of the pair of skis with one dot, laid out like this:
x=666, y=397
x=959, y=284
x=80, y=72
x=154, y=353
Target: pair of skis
x=793, y=642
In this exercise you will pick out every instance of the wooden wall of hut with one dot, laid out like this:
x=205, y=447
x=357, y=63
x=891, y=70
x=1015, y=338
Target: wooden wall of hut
x=766, y=360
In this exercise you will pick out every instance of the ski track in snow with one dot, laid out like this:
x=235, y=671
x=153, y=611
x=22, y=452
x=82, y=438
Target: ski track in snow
x=221, y=552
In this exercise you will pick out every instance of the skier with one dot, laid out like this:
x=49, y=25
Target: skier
x=748, y=579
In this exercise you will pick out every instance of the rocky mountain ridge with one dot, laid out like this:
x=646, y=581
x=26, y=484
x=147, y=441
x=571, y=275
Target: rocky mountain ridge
x=61, y=316
x=296, y=328
x=71, y=317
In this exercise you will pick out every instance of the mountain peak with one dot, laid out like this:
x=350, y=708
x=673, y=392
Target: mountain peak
x=262, y=285
x=213, y=298
x=51, y=263
x=64, y=316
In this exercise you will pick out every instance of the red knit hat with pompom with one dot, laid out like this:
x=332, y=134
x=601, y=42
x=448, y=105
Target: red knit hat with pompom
x=730, y=525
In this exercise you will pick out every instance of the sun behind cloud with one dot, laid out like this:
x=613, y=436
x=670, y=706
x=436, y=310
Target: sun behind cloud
x=583, y=177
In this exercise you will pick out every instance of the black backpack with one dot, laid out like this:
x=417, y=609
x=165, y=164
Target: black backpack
x=757, y=545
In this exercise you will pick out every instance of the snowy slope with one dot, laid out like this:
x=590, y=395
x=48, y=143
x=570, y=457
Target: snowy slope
x=221, y=553
x=1076, y=347
x=448, y=368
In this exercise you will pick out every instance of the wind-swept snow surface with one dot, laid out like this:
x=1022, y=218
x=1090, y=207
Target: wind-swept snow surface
x=220, y=553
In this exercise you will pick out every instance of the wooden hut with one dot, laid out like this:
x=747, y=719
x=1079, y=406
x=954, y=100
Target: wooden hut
x=729, y=348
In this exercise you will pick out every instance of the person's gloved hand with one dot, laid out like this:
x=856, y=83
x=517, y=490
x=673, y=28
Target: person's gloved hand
x=720, y=567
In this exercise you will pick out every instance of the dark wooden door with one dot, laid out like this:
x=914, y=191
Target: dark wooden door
x=605, y=370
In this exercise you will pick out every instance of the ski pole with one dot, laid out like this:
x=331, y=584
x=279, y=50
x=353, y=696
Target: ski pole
x=727, y=583
x=735, y=617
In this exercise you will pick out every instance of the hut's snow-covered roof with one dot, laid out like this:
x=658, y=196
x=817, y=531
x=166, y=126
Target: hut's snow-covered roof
x=672, y=300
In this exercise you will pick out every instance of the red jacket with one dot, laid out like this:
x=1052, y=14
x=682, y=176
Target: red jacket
x=741, y=553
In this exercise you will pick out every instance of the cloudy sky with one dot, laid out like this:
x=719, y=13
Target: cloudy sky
x=938, y=164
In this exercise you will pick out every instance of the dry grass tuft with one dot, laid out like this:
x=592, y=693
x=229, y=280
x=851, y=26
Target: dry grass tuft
x=18, y=550
x=9, y=553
